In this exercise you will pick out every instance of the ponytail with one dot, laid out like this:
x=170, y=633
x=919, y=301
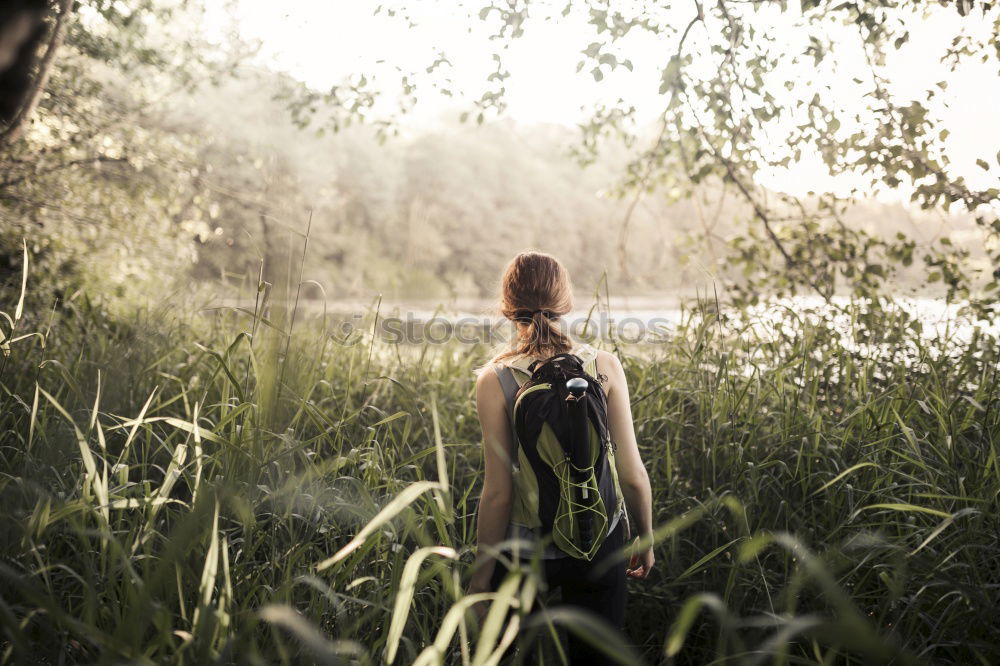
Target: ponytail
x=535, y=293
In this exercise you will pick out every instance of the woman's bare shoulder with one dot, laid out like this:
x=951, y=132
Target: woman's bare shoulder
x=608, y=361
x=486, y=378
x=609, y=366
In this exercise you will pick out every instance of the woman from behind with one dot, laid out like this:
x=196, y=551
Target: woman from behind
x=535, y=292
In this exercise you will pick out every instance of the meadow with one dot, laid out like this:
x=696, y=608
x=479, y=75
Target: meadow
x=242, y=486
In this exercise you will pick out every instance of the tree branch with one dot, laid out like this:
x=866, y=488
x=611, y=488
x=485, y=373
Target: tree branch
x=623, y=231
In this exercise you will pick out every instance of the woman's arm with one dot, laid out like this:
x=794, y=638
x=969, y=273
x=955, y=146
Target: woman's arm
x=495, y=502
x=631, y=472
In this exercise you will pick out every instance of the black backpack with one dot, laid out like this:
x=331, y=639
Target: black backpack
x=566, y=482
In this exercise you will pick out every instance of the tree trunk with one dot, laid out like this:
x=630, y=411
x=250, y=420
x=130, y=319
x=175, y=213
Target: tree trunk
x=16, y=128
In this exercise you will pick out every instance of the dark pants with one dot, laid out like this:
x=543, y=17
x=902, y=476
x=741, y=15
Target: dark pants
x=588, y=586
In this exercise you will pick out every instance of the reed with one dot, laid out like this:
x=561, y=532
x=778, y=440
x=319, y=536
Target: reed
x=220, y=488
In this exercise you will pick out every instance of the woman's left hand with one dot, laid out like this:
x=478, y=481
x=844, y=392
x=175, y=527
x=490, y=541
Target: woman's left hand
x=641, y=563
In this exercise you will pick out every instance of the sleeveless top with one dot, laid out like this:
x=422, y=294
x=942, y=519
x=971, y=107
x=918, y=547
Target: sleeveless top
x=516, y=530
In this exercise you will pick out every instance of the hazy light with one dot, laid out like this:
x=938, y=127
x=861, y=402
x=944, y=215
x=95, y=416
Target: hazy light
x=320, y=42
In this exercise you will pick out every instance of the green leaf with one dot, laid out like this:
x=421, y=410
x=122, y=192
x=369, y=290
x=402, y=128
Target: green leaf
x=975, y=403
x=407, y=585
x=390, y=511
x=685, y=620
x=704, y=560
x=322, y=650
x=852, y=468
x=905, y=508
x=941, y=527
x=507, y=597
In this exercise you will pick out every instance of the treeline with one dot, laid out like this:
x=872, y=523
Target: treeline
x=427, y=214
x=136, y=185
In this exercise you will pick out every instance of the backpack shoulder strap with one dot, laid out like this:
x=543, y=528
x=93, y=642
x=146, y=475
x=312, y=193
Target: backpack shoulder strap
x=509, y=385
x=588, y=355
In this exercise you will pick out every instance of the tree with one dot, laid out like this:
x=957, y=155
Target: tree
x=91, y=173
x=745, y=103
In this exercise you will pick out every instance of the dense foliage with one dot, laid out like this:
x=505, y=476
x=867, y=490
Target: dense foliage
x=246, y=488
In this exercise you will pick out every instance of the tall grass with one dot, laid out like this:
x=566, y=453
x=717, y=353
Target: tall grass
x=226, y=488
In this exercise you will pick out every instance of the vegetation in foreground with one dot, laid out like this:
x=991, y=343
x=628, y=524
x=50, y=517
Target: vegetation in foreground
x=235, y=488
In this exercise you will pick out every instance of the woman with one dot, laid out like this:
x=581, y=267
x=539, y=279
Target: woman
x=535, y=292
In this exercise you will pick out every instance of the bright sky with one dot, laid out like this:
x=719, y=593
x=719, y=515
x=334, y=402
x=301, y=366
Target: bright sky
x=322, y=41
